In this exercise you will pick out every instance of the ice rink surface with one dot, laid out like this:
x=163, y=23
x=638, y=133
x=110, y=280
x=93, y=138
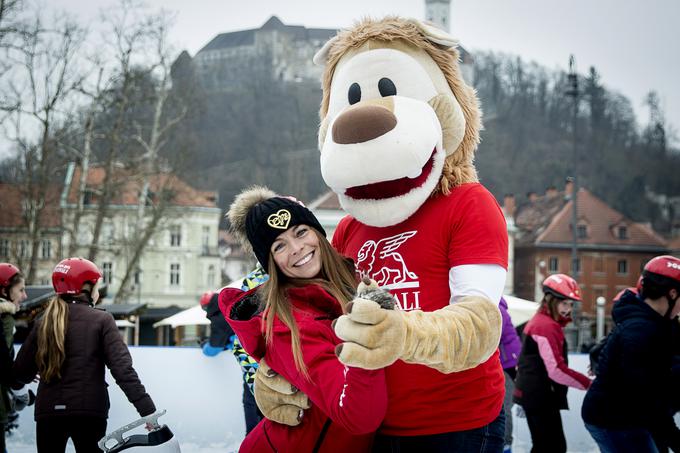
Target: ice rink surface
x=202, y=396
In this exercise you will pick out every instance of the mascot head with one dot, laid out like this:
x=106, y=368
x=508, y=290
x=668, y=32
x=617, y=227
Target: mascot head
x=398, y=123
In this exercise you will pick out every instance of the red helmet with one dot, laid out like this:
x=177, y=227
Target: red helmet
x=205, y=298
x=562, y=286
x=7, y=271
x=69, y=276
x=664, y=266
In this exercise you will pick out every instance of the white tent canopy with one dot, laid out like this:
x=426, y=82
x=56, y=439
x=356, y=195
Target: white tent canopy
x=520, y=310
x=194, y=316
x=190, y=317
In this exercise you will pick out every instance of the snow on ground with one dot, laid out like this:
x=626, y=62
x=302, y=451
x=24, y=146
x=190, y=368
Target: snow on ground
x=203, y=398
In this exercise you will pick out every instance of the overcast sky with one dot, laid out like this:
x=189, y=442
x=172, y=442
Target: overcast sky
x=634, y=44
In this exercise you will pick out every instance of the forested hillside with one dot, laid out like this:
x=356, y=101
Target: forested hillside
x=265, y=132
x=528, y=141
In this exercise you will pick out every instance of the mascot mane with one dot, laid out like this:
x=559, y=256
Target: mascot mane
x=459, y=165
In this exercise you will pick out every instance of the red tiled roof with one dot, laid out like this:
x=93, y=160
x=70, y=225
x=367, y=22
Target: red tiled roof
x=548, y=220
x=12, y=197
x=129, y=186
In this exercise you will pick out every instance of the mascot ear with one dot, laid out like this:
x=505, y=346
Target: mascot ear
x=322, y=55
x=435, y=35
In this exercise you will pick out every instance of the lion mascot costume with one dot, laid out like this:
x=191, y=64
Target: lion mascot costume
x=399, y=129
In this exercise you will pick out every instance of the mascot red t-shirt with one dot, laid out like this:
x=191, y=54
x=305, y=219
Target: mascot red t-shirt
x=412, y=260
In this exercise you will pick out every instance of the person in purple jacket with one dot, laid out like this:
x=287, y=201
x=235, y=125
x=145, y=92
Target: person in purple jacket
x=510, y=347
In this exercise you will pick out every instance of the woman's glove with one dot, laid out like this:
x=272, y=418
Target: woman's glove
x=455, y=338
x=277, y=399
x=245, y=308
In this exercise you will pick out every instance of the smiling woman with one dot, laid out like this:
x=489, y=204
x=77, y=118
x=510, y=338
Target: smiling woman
x=309, y=286
x=296, y=252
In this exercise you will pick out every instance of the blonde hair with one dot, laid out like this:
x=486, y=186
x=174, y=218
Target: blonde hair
x=51, y=340
x=52, y=336
x=336, y=277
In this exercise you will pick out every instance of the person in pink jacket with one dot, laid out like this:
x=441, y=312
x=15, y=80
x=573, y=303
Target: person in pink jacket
x=288, y=319
x=543, y=374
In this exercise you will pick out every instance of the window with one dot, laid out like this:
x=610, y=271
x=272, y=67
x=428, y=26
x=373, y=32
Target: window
x=554, y=264
x=107, y=233
x=138, y=276
x=581, y=231
x=107, y=272
x=598, y=264
x=4, y=247
x=622, y=267
x=576, y=266
x=210, y=278
x=88, y=197
x=174, y=274
x=23, y=248
x=622, y=232
x=206, y=239
x=175, y=236
x=46, y=249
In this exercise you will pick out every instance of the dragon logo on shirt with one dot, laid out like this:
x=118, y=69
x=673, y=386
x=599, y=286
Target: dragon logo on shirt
x=383, y=263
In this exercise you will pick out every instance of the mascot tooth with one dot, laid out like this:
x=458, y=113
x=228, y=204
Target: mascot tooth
x=399, y=129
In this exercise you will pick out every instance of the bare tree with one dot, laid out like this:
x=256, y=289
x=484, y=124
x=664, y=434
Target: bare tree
x=83, y=153
x=130, y=35
x=43, y=86
x=152, y=141
x=11, y=29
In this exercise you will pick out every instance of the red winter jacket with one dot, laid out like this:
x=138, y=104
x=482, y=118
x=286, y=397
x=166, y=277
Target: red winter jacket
x=348, y=404
x=543, y=374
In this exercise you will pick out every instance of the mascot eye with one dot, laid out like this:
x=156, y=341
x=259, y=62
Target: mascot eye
x=354, y=93
x=386, y=87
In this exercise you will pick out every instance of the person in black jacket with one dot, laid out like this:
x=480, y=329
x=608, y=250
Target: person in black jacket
x=12, y=293
x=543, y=373
x=628, y=406
x=222, y=337
x=69, y=347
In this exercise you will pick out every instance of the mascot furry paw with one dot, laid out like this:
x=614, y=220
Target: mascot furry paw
x=399, y=130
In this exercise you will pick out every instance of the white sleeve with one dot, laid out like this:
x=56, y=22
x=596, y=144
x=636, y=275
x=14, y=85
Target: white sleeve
x=486, y=280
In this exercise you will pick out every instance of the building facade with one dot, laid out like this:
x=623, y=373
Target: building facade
x=15, y=239
x=235, y=261
x=274, y=51
x=612, y=249
x=439, y=13
x=180, y=260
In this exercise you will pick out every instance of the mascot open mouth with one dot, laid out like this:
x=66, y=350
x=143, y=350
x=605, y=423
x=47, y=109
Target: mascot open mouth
x=393, y=188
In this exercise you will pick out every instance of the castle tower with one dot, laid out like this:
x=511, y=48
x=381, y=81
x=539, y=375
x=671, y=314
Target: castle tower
x=438, y=12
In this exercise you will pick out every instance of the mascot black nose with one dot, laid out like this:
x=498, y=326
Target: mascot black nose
x=363, y=123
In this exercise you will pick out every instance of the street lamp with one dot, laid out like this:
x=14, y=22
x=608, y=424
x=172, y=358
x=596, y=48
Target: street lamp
x=573, y=93
x=600, y=317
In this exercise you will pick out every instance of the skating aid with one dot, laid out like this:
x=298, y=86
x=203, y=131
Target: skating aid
x=159, y=440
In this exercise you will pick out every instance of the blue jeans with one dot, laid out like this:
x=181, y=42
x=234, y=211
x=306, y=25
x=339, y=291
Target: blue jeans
x=622, y=440
x=487, y=439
